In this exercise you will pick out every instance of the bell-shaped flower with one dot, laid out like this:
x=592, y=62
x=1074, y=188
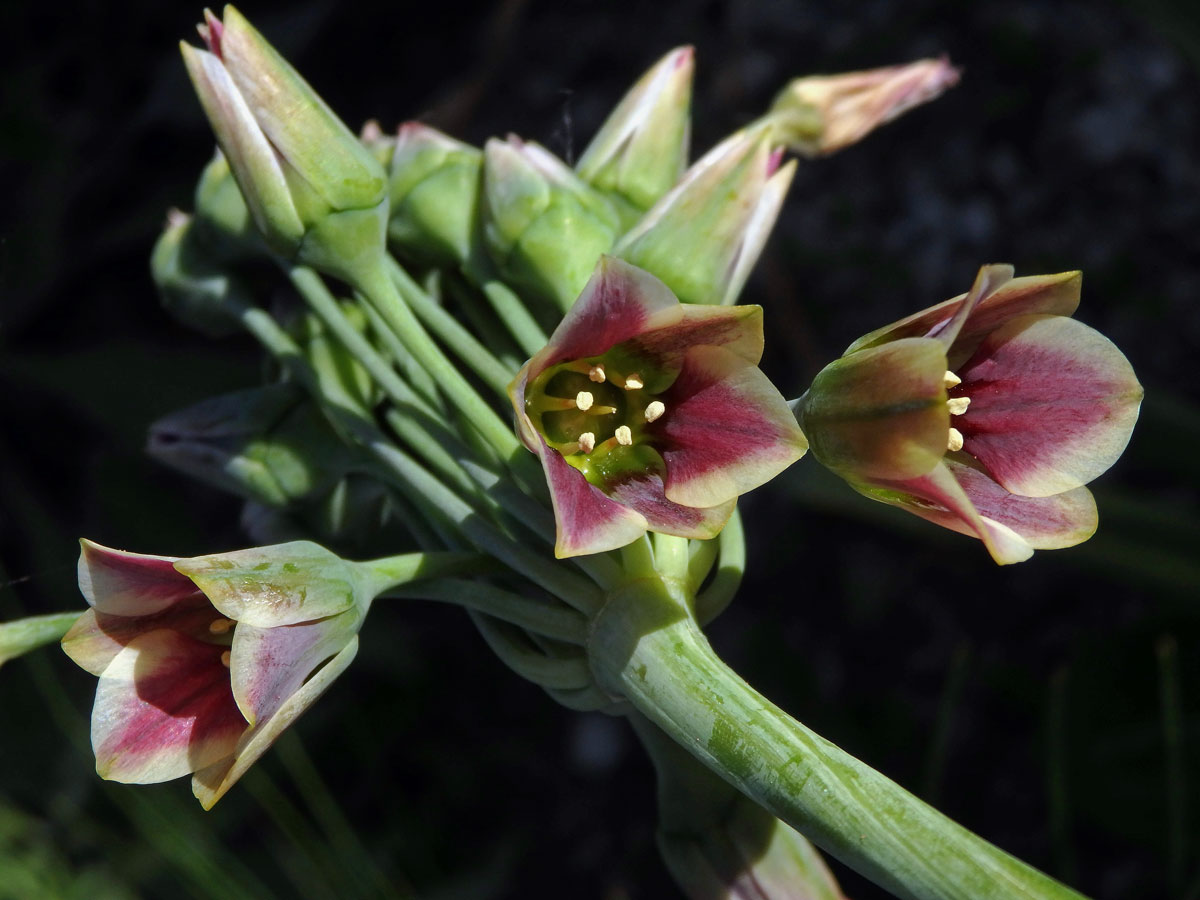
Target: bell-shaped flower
x=641, y=149
x=819, y=114
x=543, y=225
x=434, y=190
x=705, y=235
x=315, y=191
x=985, y=414
x=648, y=414
x=203, y=662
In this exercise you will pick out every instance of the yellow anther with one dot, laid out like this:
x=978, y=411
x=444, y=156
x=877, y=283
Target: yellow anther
x=624, y=436
x=587, y=442
x=225, y=658
x=220, y=626
x=634, y=382
x=596, y=374
x=951, y=380
x=584, y=400
x=958, y=405
x=654, y=409
x=955, y=441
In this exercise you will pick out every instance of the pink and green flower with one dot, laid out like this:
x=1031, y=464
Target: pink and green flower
x=650, y=415
x=203, y=662
x=986, y=414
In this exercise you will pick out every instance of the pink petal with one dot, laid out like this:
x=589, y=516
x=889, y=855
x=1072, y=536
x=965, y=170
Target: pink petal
x=96, y=638
x=989, y=280
x=129, y=584
x=163, y=709
x=268, y=665
x=1051, y=294
x=1053, y=403
x=645, y=495
x=739, y=329
x=1045, y=523
x=619, y=302
x=587, y=521
x=210, y=784
x=726, y=430
x=939, y=498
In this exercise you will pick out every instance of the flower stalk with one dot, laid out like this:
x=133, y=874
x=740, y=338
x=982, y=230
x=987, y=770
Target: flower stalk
x=646, y=646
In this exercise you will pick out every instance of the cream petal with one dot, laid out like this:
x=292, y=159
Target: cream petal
x=163, y=709
x=212, y=782
x=129, y=584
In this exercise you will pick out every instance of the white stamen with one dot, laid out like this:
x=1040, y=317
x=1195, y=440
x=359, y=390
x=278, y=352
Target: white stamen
x=654, y=409
x=624, y=436
x=596, y=374
x=225, y=658
x=958, y=405
x=220, y=626
x=955, y=441
x=951, y=380
x=587, y=442
x=634, y=382
x=584, y=400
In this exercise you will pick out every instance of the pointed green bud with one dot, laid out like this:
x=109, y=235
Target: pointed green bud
x=223, y=221
x=268, y=444
x=195, y=290
x=820, y=114
x=704, y=237
x=641, y=149
x=544, y=226
x=434, y=190
x=315, y=191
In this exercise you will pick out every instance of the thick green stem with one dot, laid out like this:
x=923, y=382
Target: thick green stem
x=22, y=635
x=645, y=645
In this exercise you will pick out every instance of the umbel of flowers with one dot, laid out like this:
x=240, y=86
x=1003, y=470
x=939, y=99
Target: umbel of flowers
x=435, y=294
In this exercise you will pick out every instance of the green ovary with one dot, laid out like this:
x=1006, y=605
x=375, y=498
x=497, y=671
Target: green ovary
x=552, y=404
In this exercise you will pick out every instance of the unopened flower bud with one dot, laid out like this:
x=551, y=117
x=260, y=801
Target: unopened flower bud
x=823, y=113
x=705, y=235
x=194, y=289
x=315, y=191
x=434, y=190
x=267, y=444
x=544, y=226
x=641, y=149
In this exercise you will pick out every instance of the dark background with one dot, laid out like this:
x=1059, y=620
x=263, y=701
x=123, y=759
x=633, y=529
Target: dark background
x=1027, y=702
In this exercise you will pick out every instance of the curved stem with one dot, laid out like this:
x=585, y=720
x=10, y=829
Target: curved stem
x=516, y=652
x=731, y=542
x=645, y=645
x=551, y=620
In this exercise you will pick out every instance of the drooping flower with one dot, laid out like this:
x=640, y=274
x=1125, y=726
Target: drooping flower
x=985, y=414
x=315, y=191
x=203, y=662
x=648, y=414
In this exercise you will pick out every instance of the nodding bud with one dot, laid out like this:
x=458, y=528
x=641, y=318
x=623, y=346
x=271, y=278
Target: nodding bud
x=820, y=114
